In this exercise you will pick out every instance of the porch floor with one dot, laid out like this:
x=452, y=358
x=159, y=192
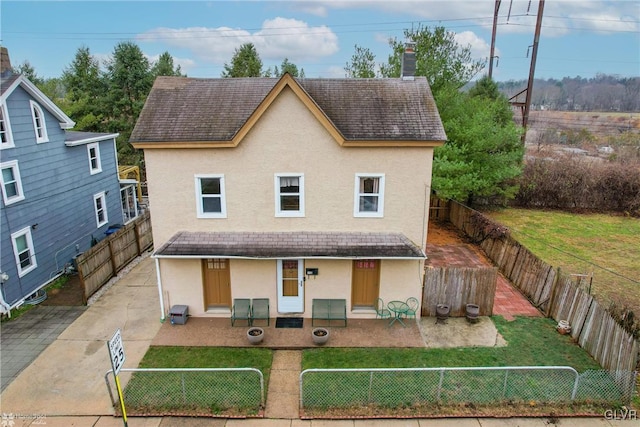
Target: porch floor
x=218, y=332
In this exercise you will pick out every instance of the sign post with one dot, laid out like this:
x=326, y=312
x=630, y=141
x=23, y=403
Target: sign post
x=116, y=353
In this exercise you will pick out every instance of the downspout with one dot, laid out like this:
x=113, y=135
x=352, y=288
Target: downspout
x=162, y=317
x=5, y=307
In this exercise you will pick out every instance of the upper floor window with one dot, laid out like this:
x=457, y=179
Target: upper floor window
x=95, y=165
x=11, y=183
x=289, y=190
x=369, y=195
x=39, y=124
x=6, y=137
x=210, y=196
x=100, y=205
x=23, y=251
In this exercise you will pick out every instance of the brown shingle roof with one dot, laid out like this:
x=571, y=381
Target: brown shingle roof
x=290, y=245
x=181, y=109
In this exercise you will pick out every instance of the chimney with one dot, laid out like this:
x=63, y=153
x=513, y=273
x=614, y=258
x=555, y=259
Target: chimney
x=5, y=63
x=408, y=68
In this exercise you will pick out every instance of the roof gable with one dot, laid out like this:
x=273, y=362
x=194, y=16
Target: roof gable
x=184, y=112
x=10, y=84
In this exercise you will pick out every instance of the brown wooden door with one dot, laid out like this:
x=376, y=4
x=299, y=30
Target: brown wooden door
x=365, y=284
x=217, y=283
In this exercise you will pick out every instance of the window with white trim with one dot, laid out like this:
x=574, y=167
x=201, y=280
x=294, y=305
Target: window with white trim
x=95, y=164
x=39, y=124
x=289, y=190
x=23, y=251
x=6, y=137
x=100, y=205
x=11, y=182
x=369, y=195
x=210, y=196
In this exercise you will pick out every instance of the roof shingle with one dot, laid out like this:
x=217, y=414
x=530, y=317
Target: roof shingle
x=290, y=245
x=181, y=109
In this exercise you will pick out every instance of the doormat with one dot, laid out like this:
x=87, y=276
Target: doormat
x=289, y=322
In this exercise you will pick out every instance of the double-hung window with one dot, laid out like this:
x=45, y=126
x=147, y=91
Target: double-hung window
x=95, y=165
x=100, y=205
x=39, y=124
x=11, y=183
x=369, y=195
x=6, y=137
x=289, y=190
x=23, y=251
x=210, y=196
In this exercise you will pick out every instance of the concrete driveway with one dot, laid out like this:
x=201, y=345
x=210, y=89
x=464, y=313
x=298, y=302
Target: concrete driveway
x=68, y=377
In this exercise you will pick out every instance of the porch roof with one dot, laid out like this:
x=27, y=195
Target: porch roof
x=186, y=244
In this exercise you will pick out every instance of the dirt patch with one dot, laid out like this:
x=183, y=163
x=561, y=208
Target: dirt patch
x=444, y=233
x=70, y=294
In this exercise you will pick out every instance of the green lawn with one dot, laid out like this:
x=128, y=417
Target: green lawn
x=607, y=246
x=199, y=393
x=531, y=341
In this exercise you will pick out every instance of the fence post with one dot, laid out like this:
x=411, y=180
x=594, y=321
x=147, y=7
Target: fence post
x=554, y=287
x=137, y=236
x=504, y=388
x=112, y=258
x=440, y=384
x=370, y=387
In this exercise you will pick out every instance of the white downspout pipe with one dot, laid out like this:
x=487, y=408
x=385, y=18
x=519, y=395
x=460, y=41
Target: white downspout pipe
x=162, y=317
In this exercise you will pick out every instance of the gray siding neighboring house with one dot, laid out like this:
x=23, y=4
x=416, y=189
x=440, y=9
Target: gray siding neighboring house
x=60, y=190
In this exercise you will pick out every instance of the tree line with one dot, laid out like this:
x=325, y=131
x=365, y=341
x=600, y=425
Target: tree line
x=482, y=155
x=600, y=93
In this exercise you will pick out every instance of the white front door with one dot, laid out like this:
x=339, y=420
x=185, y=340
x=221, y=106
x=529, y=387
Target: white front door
x=290, y=286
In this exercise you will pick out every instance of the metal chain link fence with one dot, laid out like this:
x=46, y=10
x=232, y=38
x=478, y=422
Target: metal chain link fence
x=395, y=388
x=193, y=391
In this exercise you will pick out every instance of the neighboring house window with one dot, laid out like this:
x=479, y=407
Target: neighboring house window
x=23, y=251
x=6, y=137
x=210, y=196
x=11, y=183
x=100, y=204
x=289, y=189
x=39, y=124
x=95, y=165
x=369, y=195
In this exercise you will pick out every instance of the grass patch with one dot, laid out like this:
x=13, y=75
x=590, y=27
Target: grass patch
x=604, y=245
x=198, y=393
x=531, y=342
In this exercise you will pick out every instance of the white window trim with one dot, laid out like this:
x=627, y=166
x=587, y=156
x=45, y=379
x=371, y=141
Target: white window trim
x=7, y=125
x=98, y=169
x=24, y=232
x=276, y=182
x=199, y=196
x=103, y=196
x=16, y=173
x=356, y=198
x=45, y=136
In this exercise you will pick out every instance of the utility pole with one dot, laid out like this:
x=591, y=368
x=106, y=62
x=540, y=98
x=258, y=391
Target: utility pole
x=493, y=37
x=532, y=69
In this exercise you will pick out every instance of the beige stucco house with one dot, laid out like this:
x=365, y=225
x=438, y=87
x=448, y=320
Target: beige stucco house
x=288, y=189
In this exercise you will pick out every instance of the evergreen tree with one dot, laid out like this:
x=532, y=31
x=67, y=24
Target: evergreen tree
x=245, y=63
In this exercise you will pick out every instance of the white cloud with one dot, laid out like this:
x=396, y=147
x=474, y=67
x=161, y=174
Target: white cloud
x=480, y=49
x=278, y=38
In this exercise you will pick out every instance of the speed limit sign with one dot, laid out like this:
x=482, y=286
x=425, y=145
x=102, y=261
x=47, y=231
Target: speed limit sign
x=116, y=351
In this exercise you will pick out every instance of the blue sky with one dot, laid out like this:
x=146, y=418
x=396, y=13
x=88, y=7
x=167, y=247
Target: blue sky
x=578, y=37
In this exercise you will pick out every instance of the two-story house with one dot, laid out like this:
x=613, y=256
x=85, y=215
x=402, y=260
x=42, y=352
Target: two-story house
x=60, y=189
x=289, y=189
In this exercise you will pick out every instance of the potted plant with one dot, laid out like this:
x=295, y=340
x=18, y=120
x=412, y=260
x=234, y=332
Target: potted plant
x=320, y=335
x=255, y=335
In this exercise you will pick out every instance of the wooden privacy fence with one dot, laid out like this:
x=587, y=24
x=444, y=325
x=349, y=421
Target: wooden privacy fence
x=103, y=261
x=556, y=294
x=458, y=287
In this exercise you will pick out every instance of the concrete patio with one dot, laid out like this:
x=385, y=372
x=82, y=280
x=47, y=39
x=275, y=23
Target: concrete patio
x=218, y=332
